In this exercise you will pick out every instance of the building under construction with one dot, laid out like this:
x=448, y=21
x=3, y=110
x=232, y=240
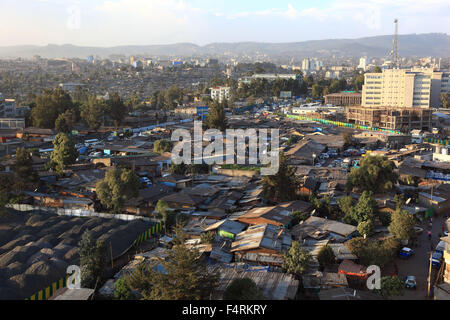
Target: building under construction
x=392, y=118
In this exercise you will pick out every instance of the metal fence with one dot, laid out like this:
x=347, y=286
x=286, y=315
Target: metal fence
x=78, y=213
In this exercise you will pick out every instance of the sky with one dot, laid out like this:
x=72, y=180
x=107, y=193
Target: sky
x=104, y=23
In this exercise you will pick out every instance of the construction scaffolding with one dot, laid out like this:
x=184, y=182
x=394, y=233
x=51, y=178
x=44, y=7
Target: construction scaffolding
x=401, y=119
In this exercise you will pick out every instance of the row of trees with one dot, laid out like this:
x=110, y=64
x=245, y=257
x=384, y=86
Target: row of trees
x=55, y=109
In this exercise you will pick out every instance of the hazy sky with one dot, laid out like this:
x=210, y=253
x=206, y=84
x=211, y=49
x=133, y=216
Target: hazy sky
x=140, y=22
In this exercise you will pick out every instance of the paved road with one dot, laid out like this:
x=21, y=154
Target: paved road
x=419, y=264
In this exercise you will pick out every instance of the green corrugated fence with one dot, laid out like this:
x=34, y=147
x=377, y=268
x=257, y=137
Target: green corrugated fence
x=437, y=141
x=344, y=124
x=46, y=293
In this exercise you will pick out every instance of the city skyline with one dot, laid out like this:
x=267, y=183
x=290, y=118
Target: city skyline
x=116, y=22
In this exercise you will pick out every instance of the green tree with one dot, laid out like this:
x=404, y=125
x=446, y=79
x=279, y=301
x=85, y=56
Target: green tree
x=65, y=121
x=299, y=216
x=377, y=69
x=180, y=169
x=64, y=152
x=92, y=112
x=296, y=259
x=445, y=100
x=374, y=252
x=216, y=118
x=49, y=106
x=24, y=167
x=186, y=276
x=402, y=225
x=162, y=146
x=207, y=238
x=366, y=228
x=326, y=256
x=168, y=216
x=5, y=189
x=243, y=289
x=316, y=91
x=358, y=82
x=174, y=97
x=283, y=186
x=116, y=108
x=365, y=210
x=375, y=174
x=121, y=290
x=93, y=258
x=119, y=186
x=391, y=287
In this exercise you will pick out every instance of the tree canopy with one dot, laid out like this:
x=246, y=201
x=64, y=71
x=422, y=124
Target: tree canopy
x=162, y=146
x=93, y=111
x=243, y=289
x=119, y=186
x=326, y=256
x=375, y=174
x=93, y=258
x=283, y=186
x=402, y=225
x=64, y=152
x=391, y=287
x=296, y=259
x=216, y=118
x=48, y=106
x=116, y=108
x=186, y=276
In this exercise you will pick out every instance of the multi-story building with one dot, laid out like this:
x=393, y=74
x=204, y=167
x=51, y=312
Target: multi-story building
x=344, y=99
x=405, y=88
x=400, y=99
x=221, y=93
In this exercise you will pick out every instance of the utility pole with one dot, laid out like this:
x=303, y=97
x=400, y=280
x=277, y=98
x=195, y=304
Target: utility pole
x=429, y=274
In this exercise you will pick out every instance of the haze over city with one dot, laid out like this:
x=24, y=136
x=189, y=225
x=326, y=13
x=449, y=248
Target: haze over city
x=143, y=22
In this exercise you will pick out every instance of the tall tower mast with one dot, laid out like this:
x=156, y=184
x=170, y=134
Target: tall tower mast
x=394, y=53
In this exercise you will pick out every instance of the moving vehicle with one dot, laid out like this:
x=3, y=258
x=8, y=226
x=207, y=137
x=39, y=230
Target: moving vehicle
x=405, y=253
x=410, y=282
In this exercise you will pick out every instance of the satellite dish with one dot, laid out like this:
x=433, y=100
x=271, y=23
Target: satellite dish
x=408, y=201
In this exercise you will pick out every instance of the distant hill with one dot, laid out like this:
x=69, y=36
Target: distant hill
x=431, y=44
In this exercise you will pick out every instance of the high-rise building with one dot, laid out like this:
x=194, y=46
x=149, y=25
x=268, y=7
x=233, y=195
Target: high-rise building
x=405, y=88
x=306, y=65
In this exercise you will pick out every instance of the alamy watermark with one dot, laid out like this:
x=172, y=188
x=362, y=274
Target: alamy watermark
x=242, y=147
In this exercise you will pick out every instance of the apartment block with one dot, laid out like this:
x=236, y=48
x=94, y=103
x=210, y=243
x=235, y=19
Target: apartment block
x=221, y=93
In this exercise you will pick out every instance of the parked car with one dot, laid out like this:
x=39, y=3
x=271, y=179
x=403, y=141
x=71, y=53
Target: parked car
x=405, y=253
x=436, y=259
x=446, y=233
x=410, y=282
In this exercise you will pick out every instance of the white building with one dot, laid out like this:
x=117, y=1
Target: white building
x=363, y=64
x=221, y=93
x=270, y=77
